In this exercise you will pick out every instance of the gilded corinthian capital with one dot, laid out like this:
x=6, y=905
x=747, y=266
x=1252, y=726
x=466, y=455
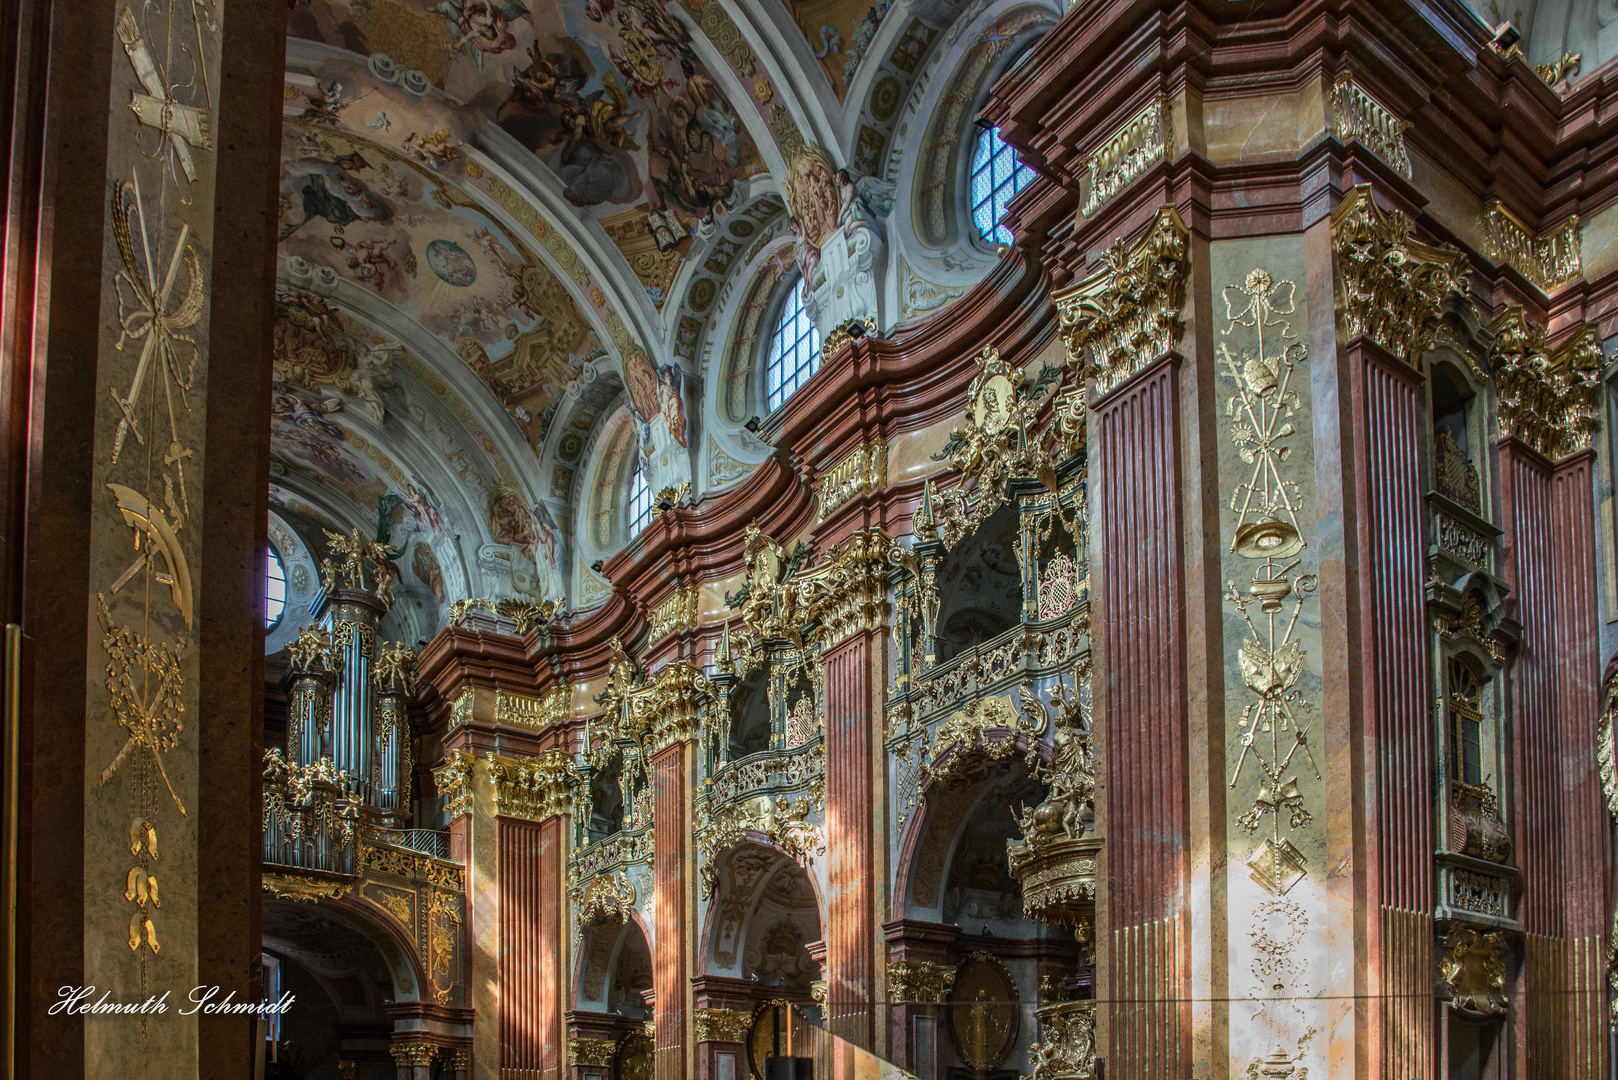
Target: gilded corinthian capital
x=1547, y=398
x=849, y=590
x=533, y=787
x=1128, y=313
x=920, y=981
x=1392, y=287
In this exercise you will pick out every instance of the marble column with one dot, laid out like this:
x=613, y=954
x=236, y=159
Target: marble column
x=137, y=264
x=850, y=945
x=673, y=863
x=1140, y=648
x=1588, y=834
x=1142, y=641
x=1386, y=395
x=532, y=798
x=1525, y=496
x=413, y=1061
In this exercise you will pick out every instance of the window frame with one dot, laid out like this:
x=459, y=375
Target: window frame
x=791, y=294
x=272, y=557
x=969, y=194
x=636, y=519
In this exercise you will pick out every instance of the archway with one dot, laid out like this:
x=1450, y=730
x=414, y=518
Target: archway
x=343, y=972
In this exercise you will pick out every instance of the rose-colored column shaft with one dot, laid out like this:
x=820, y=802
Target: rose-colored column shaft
x=671, y=814
x=1587, y=828
x=1143, y=652
x=1387, y=396
x=1535, y=782
x=850, y=917
x=520, y=876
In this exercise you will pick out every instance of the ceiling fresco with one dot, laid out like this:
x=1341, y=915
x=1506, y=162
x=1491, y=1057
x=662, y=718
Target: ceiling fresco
x=420, y=243
x=609, y=94
x=840, y=33
x=508, y=227
x=373, y=431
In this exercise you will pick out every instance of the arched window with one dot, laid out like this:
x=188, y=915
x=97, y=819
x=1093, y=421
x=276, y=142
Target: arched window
x=794, y=350
x=640, y=500
x=997, y=175
x=275, y=588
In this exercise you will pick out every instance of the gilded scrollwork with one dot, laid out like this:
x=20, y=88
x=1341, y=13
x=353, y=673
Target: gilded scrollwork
x=782, y=822
x=1066, y=1049
x=1472, y=970
x=1130, y=312
x=1000, y=442
x=965, y=736
x=604, y=896
x=1393, y=287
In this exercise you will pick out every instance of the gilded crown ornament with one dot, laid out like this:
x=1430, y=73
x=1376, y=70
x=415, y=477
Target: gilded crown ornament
x=998, y=444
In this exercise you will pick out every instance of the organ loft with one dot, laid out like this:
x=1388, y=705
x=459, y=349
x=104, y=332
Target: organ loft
x=809, y=540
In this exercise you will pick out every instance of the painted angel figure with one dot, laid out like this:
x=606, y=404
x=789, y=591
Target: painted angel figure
x=862, y=203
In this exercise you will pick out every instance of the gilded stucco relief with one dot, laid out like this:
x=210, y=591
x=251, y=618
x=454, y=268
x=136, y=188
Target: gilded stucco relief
x=141, y=908
x=1271, y=621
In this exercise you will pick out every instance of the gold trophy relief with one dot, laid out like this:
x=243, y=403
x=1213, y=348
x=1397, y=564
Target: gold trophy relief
x=140, y=886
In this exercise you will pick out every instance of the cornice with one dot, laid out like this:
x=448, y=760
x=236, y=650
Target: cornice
x=1501, y=132
x=703, y=542
x=457, y=657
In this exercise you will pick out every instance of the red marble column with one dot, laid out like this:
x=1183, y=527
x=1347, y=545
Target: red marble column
x=519, y=873
x=1587, y=831
x=1143, y=669
x=1398, y=726
x=850, y=913
x=1535, y=787
x=672, y=861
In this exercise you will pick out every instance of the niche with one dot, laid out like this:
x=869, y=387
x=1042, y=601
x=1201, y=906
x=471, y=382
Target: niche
x=1455, y=471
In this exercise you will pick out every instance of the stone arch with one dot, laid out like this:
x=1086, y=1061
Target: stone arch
x=957, y=788
x=342, y=925
x=601, y=946
x=764, y=894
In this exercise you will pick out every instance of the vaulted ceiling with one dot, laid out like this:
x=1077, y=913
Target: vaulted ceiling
x=506, y=227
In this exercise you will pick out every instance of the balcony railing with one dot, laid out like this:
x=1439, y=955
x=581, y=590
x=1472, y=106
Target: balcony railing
x=769, y=772
x=1034, y=650
x=434, y=842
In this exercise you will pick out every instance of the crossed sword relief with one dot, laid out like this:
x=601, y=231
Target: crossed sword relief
x=151, y=714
